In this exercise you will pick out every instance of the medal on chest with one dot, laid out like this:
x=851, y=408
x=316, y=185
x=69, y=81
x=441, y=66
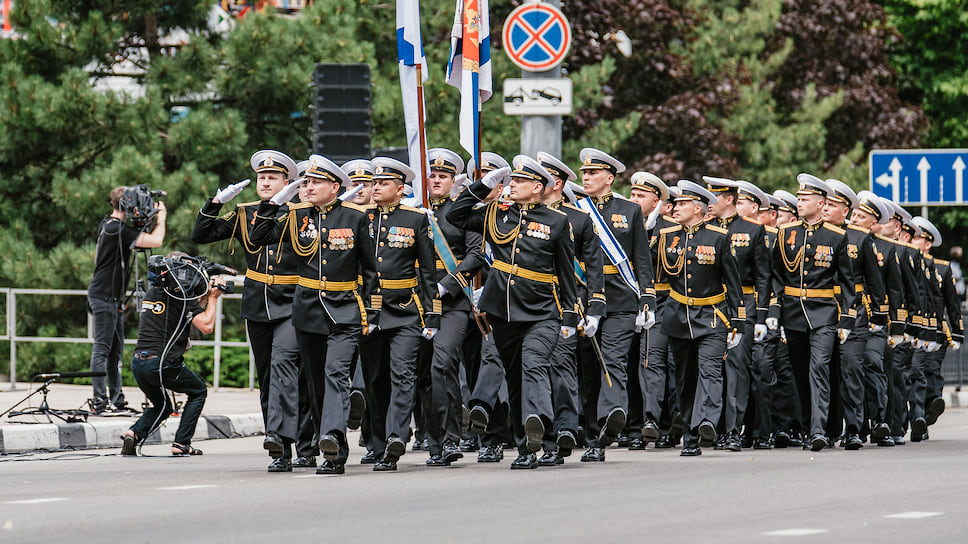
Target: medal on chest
x=852, y=251
x=619, y=221
x=341, y=239
x=539, y=230
x=705, y=254
x=400, y=237
x=823, y=256
x=740, y=239
x=307, y=229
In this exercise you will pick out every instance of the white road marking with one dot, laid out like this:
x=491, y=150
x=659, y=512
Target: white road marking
x=795, y=532
x=184, y=487
x=914, y=515
x=37, y=501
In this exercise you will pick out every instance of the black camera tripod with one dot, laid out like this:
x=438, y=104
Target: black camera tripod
x=67, y=416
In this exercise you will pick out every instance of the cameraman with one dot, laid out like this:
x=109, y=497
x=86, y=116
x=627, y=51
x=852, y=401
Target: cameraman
x=105, y=295
x=169, y=307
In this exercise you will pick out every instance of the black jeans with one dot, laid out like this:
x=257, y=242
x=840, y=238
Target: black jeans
x=176, y=376
x=107, y=349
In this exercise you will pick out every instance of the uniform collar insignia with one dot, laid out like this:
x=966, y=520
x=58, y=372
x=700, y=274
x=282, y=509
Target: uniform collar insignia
x=389, y=207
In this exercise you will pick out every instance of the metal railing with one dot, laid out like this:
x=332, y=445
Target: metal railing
x=10, y=333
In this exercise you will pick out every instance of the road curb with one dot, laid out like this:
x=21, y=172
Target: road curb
x=25, y=438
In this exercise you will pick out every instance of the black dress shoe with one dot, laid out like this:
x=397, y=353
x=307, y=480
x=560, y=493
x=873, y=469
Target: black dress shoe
x=370, y=458
x=707, y=433
x=818, y=442
x=664, y=442
x=329, y=445
x=280, y=465
x=637, y=444
x=734, y=443
x=781, y=439
x=490, y=454
x=331, y=467
x=690, y=451
x=534, y=431
x=566, y=442
x=593, y=455
x=385, y=466
x=451, y=453
x=581, y=437
x=306, y=461
x=746, y=441
x=357, y=409
x=853, y=442
x=795, y=440
x=934, y=411
x=650, y=431
x=623, y=440
x=478, y=417
x=761, y=444
x=719, y=444
x=880, y=432
x=273, y=444
x=418, y=445
x=918, y=427
x=396, y=447
x=437, y=461
x=898, y=440
x=525, y=461
x=468, y=445
x=614, y=423
x=550, y=459
x=886, y=442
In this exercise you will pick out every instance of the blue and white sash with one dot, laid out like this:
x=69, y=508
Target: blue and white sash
x=613, y=250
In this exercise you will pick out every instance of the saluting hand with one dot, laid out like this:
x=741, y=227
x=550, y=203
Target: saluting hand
x=223, y=196
x=286, y=193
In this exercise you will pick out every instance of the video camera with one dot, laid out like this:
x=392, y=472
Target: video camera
x=138, y=204
x=185, y=277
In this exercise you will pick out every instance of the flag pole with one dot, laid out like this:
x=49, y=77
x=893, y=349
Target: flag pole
x=422, y=135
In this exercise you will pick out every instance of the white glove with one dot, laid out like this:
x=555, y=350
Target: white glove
x=843, y=334
x=477, y=295
x=351, y=193
x=895, y=340
x=932, y=346
x=222, y=196
x=370, y=328
x=649, y=320
x=877, y=328
x=441, y=290
x=494, y=177
x=428, y=333
x=783, y=335
x=733, y=339
x=759, y=333
x=955, y=345
x=590, y=324
x=918, y=344
x=286, y=193
x=567, y=332
x=772, y=323
x=907, y=338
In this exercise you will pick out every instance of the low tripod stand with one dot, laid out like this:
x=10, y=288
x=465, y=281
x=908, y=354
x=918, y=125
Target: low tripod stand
x=67, y=416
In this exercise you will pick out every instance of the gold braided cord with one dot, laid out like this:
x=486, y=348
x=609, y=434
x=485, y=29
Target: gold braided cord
x=242, y=228
x=794, y=265
x=490, y=222
x=675, y=269
x=301, y=250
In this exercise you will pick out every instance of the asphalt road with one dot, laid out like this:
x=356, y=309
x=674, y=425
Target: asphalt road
x=914, y=493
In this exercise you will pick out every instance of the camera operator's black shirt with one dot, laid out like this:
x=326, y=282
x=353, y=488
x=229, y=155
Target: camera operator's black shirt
x=114, y=240
x=162, y=318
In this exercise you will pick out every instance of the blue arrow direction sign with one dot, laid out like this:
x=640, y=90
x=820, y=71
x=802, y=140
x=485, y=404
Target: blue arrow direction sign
x=919, y=177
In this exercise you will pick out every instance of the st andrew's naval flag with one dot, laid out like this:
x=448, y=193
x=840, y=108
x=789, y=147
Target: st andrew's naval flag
x=410, y=54
x=469, y=68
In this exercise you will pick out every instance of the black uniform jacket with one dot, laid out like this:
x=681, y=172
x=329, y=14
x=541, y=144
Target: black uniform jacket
x=661, y=281
x=624, y=219
x=407, y=294
x=532, y=276
x=915, y=289
x=466, y=248
x=952, y=307
x=271, y=278
x=705, y=293
x=808, y=262
x=588, y=252
x=335, y=251
x=871, y=304
x=885, y=254
x=748, y=239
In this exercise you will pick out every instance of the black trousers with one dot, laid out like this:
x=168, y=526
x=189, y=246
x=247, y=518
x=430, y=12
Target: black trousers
x=897, y=365
x=564, y=390
x=736, y=379
x=933, y=373
x=763, y=381
x=490, y=390
x=389, y=360
x=327, y=359
x=852, y=378
x=875, y=378
x=926, y=380
x=810, y=356
x=785, y=398
x=524, y=349
x=635, y=370
x=107, y=349
x=179, y=378
x=277, y=341
x=699, y=378
x=444, y=416
x=614, y=336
